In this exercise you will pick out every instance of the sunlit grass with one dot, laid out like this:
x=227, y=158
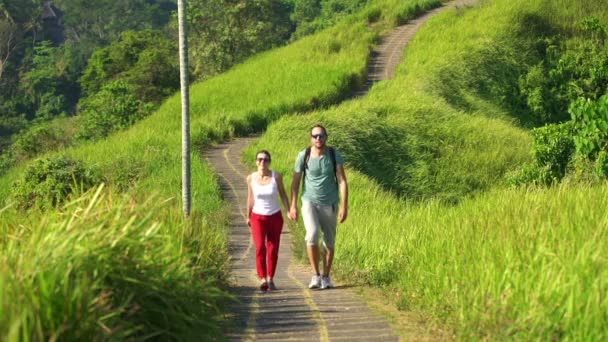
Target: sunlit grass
x=105, y=268
x=133, y=284
x=431, y=219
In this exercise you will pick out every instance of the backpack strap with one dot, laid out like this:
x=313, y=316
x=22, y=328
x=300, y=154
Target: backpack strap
x=305, y=166
x=332, y=153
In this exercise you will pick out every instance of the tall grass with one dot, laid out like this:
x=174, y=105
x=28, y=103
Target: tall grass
x=103, y=268
x=114, y=286
x=508, y=264
x=493, y=263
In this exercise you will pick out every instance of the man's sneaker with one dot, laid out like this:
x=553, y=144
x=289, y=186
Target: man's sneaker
x=315, y=282
x=326, y=283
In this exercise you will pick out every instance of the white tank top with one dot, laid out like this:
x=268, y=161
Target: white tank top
x=265, y=197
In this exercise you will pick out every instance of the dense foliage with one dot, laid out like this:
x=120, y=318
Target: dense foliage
x=113, y=107
x=49, y=182
x=569, y=85
x=145, y=60
x=572, y=68
x=56, y=55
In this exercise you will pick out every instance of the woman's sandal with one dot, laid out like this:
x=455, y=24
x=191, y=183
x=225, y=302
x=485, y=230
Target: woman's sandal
x=264, y=285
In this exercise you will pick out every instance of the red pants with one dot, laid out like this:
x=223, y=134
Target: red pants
x=266, y=232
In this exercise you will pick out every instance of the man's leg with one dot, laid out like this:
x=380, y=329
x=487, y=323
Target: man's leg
x=313, y=257
x=327, y=261
x=311, y=224
x=328, y=220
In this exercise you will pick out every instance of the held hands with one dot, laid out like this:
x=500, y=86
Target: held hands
x=293, y=213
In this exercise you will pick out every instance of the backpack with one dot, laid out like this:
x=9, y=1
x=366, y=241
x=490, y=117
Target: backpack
x=332, y=154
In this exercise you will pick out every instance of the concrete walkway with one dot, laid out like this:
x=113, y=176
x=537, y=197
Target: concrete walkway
x=295, y=313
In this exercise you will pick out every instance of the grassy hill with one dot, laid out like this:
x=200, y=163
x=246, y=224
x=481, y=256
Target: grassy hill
x=431, y=221
x=133, y=247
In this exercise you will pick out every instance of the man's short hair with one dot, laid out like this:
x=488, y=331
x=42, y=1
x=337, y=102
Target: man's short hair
x=319, y=126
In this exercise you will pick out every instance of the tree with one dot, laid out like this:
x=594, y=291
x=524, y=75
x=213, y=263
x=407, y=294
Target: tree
x=102, y=21
x=225, y=32
x=49, y=84
x=9, y=38
x=113, y=108
x=143, y=59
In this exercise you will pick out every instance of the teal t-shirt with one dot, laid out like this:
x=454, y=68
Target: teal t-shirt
x=320, y=184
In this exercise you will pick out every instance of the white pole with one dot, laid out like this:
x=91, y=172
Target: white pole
x=185, y=92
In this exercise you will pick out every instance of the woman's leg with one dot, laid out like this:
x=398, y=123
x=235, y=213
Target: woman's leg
x=258, y=232
x=275, y=227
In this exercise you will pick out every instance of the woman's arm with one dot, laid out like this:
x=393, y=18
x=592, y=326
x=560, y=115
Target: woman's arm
x=282, y=192
x=249, y=198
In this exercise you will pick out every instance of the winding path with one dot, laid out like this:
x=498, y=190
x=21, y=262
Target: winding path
x=295, y=313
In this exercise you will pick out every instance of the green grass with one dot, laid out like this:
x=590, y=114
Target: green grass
x=103, y=268
x=143, y=296
x=431, y=219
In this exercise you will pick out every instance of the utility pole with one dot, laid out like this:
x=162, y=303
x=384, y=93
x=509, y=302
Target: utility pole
x=185, y=92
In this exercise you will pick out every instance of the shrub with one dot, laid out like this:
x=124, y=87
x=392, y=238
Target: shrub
x=48, y=182
x=145, y=60
x=552, y=151
x=114, y=107
x=40, y=138
x=590, y=123
x=571, y=69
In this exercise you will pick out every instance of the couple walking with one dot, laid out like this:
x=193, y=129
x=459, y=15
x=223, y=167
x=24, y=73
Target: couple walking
x=320, y=170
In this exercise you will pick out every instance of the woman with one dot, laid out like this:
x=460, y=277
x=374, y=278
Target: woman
x=264, y=217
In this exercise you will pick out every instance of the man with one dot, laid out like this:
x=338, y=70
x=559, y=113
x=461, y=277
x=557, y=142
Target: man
x=324, y=175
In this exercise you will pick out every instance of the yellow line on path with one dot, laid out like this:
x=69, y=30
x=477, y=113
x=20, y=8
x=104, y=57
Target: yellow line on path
x=323, y=333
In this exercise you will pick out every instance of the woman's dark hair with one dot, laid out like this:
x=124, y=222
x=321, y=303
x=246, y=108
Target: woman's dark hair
x=266, y=153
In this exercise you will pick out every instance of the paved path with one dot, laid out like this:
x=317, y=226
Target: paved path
x=295, y=313
x=386, y=57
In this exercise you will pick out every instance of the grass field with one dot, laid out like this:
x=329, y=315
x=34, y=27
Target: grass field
x=432, y=221
x=431, y=218
x=122, y=294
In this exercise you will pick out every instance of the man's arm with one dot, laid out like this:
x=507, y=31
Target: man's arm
x=295, y=187
x=343, y=185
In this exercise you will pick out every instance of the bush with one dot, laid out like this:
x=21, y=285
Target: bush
x=48, y=182
x=115, y=107
x=38, y=139
x=590, y=123
x=553, y=149
x=571, y=69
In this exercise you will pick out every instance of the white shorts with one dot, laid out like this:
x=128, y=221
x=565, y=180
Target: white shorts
x=319, y=218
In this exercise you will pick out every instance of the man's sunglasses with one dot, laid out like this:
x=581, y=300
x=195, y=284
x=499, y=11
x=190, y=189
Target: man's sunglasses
x=263, y=160
x=318, y=136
